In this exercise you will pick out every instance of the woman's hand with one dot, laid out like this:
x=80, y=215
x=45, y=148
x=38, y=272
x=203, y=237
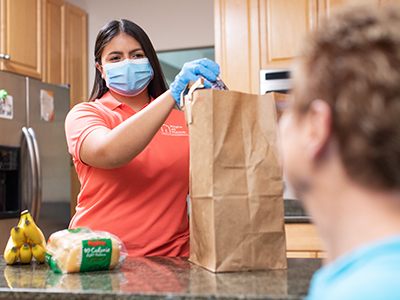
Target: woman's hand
x=190, y=72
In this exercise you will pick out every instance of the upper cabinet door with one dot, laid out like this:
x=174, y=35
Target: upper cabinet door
x=283, y=25
x=53, y=41
x=20, y=41
x=237, y=43
x=76, y=52
x=325, y=7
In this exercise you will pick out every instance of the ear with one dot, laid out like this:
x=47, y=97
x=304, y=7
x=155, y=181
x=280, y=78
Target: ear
x=100, y=68
x=319, y=127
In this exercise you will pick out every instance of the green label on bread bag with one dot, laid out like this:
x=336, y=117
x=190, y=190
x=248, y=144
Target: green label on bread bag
x=52, y=263
x=96, y=255
x=75, y=230
x=48, y=257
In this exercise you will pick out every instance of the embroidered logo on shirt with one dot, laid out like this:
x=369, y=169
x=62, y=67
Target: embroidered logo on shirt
x=173, y=130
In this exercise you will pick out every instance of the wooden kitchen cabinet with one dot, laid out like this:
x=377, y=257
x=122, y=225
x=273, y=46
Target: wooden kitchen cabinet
x=65, y=47
x=283, y=25
x=53, y=41
x=302, y=241
x=21, y=37
x=76, y=58
x=251, y=35
x=258, y=34
x=237, y=41
x=325, y=7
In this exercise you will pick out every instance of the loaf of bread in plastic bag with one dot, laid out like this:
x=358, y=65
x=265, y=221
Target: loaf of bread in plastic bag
x=84, y=250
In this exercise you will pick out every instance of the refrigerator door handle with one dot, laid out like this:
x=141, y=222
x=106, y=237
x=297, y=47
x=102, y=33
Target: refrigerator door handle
x=29, y=143
x=36, y=207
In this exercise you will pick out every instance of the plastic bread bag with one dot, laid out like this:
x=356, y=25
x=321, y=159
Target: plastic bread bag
x=84, y=250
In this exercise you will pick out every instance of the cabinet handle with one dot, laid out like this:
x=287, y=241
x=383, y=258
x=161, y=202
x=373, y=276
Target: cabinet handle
x=5, y=56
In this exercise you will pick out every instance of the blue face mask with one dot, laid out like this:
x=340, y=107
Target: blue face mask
x=128, y=77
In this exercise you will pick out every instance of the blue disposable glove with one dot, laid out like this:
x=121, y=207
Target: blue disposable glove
x=190, y=71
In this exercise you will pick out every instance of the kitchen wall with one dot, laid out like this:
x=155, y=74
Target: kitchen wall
x=170, y=24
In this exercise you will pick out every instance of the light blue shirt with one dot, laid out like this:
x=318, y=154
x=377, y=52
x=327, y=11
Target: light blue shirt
x=371, y=271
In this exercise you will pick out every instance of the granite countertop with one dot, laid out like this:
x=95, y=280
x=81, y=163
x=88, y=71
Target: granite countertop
x=156, y=278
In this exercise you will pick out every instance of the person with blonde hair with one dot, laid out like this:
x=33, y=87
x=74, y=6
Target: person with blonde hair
x=341, y=150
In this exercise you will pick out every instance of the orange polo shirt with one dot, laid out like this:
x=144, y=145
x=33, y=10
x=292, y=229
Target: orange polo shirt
x=143, y=202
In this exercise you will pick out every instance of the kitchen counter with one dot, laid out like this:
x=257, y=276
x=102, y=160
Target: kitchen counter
x=156, y=278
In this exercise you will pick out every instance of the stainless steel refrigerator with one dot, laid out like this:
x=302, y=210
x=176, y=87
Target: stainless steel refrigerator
x=34, y=160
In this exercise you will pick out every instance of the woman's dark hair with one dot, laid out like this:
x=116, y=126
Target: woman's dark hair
x=157, y=86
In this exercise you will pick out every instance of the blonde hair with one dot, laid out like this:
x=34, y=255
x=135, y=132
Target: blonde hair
x=353, y=63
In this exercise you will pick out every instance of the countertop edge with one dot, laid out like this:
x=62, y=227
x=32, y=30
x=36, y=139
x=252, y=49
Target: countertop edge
x=29, y=294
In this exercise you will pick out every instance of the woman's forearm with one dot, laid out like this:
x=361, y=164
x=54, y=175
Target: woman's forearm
x=115, y=148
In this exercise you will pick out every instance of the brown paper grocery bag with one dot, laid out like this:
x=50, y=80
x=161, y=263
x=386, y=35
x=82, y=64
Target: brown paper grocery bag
x=236, y=204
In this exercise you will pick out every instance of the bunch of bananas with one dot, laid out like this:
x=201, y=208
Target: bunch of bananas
x=26, y=240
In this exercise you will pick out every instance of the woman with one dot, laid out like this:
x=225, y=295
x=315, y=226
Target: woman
x=131, y=148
